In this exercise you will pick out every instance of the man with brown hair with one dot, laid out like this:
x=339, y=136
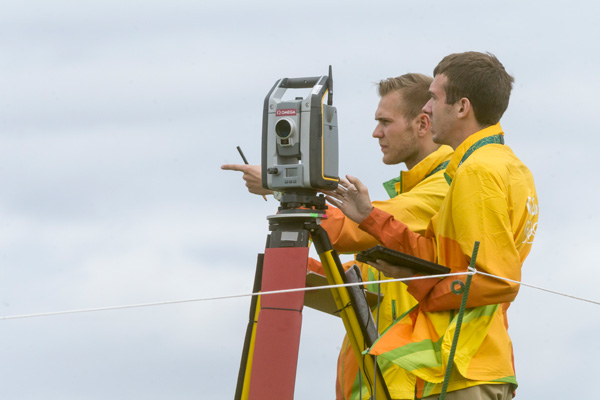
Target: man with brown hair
x=491, y=199
x=403, y=133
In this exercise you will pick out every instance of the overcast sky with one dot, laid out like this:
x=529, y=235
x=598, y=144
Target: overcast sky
x=115, y=117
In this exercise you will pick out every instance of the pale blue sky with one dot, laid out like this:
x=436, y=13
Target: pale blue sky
x=114, y=121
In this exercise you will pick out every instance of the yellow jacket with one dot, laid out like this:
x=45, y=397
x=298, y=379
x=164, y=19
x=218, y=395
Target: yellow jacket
x=492, y=199
x=417, y=196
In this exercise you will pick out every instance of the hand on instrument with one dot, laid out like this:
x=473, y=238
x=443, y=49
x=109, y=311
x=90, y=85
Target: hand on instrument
x=352, y=197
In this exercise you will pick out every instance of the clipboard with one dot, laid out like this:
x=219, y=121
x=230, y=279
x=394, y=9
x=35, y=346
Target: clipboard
x=322, y=300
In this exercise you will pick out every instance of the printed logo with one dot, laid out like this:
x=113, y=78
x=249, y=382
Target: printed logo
x=287, y=111
x=531, y=226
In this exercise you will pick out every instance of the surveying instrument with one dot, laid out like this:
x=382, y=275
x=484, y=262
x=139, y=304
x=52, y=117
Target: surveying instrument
x=299, y=157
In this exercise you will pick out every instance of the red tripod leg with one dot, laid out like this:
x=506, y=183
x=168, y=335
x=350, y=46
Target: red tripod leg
x=279, y=324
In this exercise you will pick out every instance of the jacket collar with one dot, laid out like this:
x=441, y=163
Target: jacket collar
x=431, y=164
x=489, y=135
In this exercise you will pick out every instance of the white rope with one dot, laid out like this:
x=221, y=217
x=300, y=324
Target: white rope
x=541, y=288
x=304, y=289
x=169, y=302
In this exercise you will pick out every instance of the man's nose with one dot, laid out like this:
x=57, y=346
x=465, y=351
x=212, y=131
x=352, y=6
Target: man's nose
x=427, y=107
x=378, y=132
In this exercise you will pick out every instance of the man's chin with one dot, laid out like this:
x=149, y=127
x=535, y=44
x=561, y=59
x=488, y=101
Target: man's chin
x=390, y=162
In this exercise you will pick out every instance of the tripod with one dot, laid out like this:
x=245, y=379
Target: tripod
x=270, y=356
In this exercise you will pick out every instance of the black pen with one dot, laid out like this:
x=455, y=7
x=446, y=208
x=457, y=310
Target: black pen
x=246, y=162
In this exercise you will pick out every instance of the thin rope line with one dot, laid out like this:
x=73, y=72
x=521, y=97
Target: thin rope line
x=541, y=288
x=304, y=289
x=169, y=302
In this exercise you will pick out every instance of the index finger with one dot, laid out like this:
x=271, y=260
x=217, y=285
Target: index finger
x=357, y=183
x=344, y=183
x=234, y=167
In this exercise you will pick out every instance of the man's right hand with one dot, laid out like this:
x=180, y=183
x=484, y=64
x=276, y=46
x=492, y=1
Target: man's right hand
x=252, y=176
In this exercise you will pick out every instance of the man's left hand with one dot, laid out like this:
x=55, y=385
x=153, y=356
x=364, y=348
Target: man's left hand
x=352, y=197
x=392, y=271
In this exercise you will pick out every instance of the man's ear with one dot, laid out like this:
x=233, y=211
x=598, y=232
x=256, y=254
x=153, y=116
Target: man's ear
x=422, y=124
x=463, y=107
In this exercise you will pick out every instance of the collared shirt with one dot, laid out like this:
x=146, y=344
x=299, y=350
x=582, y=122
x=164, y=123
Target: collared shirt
x=492, y=199
x=409, y=179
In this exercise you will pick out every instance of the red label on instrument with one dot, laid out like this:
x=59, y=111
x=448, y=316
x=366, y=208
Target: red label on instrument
x=287, y=111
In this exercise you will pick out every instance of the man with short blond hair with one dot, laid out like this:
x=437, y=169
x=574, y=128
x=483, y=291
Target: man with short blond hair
x=403, y=133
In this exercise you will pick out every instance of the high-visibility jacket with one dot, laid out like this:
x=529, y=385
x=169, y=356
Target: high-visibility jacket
x=416, y=195
x=492, y=199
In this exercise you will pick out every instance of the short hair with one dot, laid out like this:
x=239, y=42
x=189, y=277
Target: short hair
x=414, y=89
x=482, y=79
